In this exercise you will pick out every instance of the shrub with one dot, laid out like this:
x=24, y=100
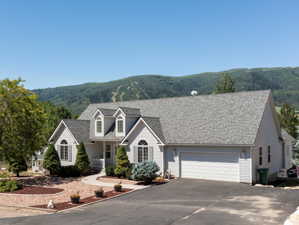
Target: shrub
x=9, y=185
x=52, y=161
x=75, y=198
x=82, y=161
x=118, y=188
x=145, y=171
x=110, y=170
x=99, y=193
x=122, y=162
x=69, y=171
x=16, y=165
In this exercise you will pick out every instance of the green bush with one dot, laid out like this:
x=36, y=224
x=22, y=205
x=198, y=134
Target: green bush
x=82, y=161
x=9, y=185
x=17, y=165
x=69, y=171
x=52, y=161
x=145, y=171
x=110, y=170
x=122, y=162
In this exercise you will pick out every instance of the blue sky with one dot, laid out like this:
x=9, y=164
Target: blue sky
x=59, y=42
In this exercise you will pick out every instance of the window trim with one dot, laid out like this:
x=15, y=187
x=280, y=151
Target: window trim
x=99, y=119
x=64, y=151
x=143, y=151
x=260, y=156
x=120, y=119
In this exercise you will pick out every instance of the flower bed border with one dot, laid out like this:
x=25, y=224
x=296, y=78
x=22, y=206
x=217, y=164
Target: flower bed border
x=89, y=200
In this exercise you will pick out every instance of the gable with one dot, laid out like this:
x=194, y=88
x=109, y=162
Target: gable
x=142, y=132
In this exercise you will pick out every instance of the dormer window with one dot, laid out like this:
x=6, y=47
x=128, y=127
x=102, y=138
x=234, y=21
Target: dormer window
x=99, y=125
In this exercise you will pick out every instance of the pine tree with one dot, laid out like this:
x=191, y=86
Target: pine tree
x=288, y=119
x=17, y=165
x=225, y=84
x=82, y=161
x=52, y=161
x=122, y=162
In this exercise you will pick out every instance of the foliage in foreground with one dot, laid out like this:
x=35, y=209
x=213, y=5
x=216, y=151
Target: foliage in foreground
x=145, y=171
x=122, y=163
x=22, y=119
x=82, y=161
x=69, y=171
x=9, y=185
x=17, y=165
x=288, y=119
x=51, y=161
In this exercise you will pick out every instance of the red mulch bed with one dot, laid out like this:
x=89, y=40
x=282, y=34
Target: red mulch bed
x=66, y=205
x=36, y=190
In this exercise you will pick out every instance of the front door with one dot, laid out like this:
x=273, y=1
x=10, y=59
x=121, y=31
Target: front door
x=109, y=154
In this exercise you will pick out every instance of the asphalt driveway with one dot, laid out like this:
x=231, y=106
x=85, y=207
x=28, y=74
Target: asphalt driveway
x=181, y=202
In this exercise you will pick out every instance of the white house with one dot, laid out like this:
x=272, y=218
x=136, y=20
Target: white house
x=223, y=137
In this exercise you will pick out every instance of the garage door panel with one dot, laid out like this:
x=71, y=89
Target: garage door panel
x=212, y=166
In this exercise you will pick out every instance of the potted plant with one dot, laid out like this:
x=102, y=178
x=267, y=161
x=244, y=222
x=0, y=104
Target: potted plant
x=118, y=187
x=99, y=193
x=75, y=198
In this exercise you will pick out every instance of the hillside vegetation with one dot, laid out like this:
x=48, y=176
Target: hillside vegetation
x=284, y=81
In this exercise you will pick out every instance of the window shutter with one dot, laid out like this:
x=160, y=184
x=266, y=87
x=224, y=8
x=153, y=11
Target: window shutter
x=70, y=153
x=135, y=154
x=57, y=147
x=151, y=153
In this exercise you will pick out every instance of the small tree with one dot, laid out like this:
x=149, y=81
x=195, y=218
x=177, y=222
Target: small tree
x=225, y=84
x=288, y=119
x=52, y=161
x=122, y=162
x=82, y=161
x=17, y=165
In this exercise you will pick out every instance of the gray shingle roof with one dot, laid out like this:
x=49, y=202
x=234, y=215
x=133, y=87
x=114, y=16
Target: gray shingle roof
x=231, y=118
x=107, y=112
x=79, y=128
x=130, y=111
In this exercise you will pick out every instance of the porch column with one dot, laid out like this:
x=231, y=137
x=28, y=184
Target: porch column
x=104, y=156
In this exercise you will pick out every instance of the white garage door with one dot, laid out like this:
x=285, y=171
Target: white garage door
x=211, y=166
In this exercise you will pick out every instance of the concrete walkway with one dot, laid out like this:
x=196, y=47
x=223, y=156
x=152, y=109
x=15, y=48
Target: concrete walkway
x=92, y=180
x=293, y=218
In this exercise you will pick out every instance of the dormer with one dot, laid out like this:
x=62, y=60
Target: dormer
x=125, y=117
x=101, y=122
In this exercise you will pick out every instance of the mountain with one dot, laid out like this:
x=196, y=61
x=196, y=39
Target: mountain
x=284, y=81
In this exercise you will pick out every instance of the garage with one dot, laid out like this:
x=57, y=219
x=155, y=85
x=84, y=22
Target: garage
x=222, y=166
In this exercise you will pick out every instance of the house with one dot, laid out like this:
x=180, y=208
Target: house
x=224, y=137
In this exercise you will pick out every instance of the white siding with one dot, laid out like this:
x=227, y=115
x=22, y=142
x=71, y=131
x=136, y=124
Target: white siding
x=141, y=132
x=66, y=135
x=173, y=154
x=267, y=135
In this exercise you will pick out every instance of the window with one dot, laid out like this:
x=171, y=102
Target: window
x=64, y=153
x=261, y=156
x=269, y=154
x=142, y=151
x=99, y=125
x=120, y=125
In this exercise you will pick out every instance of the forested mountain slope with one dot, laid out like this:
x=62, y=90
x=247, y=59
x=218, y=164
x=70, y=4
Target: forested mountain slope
x=284, y=81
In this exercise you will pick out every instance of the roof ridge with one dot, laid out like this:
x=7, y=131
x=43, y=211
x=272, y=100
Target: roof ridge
x=187, y=96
